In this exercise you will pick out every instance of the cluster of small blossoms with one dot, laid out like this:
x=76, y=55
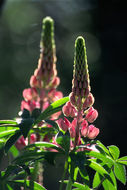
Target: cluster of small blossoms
x=44, y=81
x=81, y=100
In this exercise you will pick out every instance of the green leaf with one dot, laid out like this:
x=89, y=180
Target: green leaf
x=36, y=186
x=53, y=123
x=8, y=132
x=85, y=176
x=124, y=158
x=25, y=126
x=104, y=158
x=28, y=156
x=76, y=184
x=114, y=151
x=35, y=113
x=53, y=108
x=8, y=122
x=25, y=114
x=44, y=144
x=120, y=172
x=107, y=183
x=12, y=140
x=9, y=187
x=64, y=140
x=97, y=180
x=9, y=170
x=97, y=167
x=103, y=147
x=14, y=151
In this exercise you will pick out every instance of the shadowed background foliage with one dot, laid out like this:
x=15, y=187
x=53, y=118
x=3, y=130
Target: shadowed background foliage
x=104, y=28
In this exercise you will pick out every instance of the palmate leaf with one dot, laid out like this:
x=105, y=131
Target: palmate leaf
x=99, y=155
x=53, y=108
x=97, y=167
x=102, y=146
x=36, y=186
x=114, y=151
x=120, y=172
x=107, y=183
x=122, y=160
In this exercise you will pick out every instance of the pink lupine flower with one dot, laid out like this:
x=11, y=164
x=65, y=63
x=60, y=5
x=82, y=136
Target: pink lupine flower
x=30, y=94
x=84, y=128
x=84, y=131
x=21, y=142
x=63, y=124
x=45, y=105
x=91, y=115
x=55, y=82
x=72, y=98
x=69, y=110
x=55, y=95
x=33, y=138
x=92, y=132
x=72, y=128
x=29, y=105
x=89, y=101
x=84, y=123
x=34, y=82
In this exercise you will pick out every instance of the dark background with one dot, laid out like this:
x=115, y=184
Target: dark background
x=104, y=27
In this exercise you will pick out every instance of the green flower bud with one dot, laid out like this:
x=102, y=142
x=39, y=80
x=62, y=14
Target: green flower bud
x=47, y=59
x=80, y=82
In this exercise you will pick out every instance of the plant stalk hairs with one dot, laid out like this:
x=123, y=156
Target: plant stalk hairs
x=50, y=126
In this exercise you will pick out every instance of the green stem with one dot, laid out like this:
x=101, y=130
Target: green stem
x=25, y=186
x=69, y=185
x=34, y=175
x=29, y=138
x=64, y=173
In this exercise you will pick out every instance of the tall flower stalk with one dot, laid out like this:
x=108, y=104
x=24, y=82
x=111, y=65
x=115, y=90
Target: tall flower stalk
x=81, y=100
x=43, y=82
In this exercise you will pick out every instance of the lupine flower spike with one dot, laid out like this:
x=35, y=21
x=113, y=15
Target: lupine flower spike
x=44, y=81
x=81, y=99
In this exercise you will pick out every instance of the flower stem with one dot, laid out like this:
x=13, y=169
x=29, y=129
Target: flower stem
x=69, y=185
x=64, y=173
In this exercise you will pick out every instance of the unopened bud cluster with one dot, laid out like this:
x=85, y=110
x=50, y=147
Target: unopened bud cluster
x=81, y=96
